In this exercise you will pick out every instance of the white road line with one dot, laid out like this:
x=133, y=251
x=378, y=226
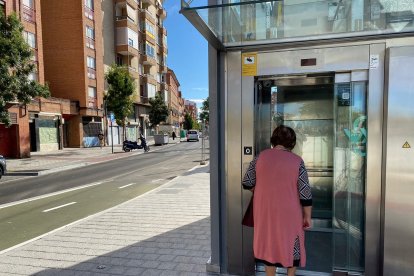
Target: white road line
x=156, y=180
x=126, y=185
x=51, y=194
x=57, y=207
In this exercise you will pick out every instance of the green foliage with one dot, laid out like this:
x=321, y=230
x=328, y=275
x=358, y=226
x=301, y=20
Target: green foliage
x=188, y=122
x=15, y=67
x=158, y=112
x=204, y=115
x=119, y=98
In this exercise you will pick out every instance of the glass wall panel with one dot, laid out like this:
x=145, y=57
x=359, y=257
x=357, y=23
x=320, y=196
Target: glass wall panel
x=237, y=22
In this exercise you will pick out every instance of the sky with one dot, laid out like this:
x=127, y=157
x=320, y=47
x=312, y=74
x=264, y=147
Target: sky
x=187, y=54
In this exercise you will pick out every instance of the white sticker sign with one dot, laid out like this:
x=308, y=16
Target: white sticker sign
x=373, y=61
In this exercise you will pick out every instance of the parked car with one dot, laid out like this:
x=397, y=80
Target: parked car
x=192, y=135
x=3, y=167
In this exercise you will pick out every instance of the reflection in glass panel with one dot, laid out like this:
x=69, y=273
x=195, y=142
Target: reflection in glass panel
x=349, y=174
x=242, y=21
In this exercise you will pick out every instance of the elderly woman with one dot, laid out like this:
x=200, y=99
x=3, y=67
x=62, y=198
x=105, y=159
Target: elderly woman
x=282, y=204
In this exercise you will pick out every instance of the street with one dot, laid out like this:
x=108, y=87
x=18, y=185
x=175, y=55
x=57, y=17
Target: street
x=34, y=206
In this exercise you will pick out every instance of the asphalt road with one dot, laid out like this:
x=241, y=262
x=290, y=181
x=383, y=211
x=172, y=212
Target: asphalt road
x=33, y=206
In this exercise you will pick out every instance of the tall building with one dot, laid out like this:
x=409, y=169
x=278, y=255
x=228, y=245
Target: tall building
x=134, y=36
x=175, y=104
x=74, y=65
x=36, y=126
x=191, y=109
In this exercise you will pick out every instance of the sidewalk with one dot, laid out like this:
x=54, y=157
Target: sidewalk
x=41, y=163
x=163, y=232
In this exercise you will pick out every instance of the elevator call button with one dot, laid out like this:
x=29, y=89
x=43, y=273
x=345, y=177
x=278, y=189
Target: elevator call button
x=248, y=150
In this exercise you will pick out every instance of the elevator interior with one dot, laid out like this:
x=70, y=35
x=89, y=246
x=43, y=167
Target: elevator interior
x=329, y=118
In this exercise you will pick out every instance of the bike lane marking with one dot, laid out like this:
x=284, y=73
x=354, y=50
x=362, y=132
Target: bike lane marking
x=58, y=207
x=130, y=184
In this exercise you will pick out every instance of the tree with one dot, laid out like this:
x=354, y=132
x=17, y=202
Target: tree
x=119, y=98
x=15, y=67
x=188, y=122
x=158, y=112
x=204, y=115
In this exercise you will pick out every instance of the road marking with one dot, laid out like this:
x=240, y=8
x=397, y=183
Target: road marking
x=58, y=207
x=156, y=180
x=126, y=185
x=51, y=194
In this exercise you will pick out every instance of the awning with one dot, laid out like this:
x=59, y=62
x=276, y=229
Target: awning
x=244, y=23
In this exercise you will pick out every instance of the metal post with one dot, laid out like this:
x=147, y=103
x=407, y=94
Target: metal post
x=202, y=145
x=112, y=137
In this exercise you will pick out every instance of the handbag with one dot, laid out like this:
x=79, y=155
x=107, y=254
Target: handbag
x=248, y=215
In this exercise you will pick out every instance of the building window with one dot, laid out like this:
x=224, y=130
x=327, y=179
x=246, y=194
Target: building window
x=150, y=29
x=163, y=78
x=158, y=77
x=151, y=90
x=92, y=102
x=28, y=11
x=140, y=70
x=90, y=37
x=89, y=9
x=149, y=50
x=119, y=60
x=30, y=38
x=130, y=42
x=91, y=63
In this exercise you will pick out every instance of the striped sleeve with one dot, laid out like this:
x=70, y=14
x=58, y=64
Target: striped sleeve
x=305, y=193
x=249, y=179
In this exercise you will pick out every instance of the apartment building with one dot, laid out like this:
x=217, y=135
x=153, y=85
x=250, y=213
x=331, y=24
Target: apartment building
x=135, y=37
x=191, y=109
x=175, y=103
x=36, y=126
x=72, y=40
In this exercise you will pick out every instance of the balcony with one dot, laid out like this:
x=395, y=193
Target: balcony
x=132, y=3
x=148, y=60
x=148, y=37
x=164, y=86
x=162, y=12
x=28, y=14
x=147, y=78
x=126, y=50
x=133, y=72
x=144, y=100
x=148, y=2
x=163, y=68
x=91, y=73
x=124, y=21
x=88, y=12
x=90, y=43
x=146, y=15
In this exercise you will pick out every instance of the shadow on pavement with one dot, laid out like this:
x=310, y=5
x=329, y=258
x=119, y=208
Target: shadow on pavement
x=182, y=251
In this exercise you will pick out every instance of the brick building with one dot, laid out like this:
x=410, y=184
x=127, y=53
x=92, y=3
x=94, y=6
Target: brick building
x=37, y=126
x=72, y=39
x=174, y=102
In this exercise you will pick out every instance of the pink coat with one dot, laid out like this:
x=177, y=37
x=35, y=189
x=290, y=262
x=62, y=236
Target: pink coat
x=278, y=218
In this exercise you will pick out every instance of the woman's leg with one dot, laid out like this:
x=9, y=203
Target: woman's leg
x=291, y=271
x=270, y=270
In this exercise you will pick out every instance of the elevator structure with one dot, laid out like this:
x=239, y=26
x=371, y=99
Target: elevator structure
x=340, y=73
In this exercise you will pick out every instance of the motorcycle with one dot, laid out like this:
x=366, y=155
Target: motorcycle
x=130, y=145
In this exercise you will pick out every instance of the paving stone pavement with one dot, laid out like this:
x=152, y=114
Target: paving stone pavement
x=163, y=232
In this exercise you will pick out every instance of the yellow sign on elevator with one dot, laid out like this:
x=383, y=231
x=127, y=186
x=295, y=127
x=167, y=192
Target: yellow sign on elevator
x=406, y=145
x=249, y=64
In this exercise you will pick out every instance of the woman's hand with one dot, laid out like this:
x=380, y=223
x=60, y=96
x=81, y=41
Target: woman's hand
x=307, y=217
x=307, y=223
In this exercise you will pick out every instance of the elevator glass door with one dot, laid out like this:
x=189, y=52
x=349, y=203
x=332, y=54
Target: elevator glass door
x=329, y=120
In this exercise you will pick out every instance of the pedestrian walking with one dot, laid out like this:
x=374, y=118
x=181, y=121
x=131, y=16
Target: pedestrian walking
x=101, y=139
x=282, y=204
x=173, y=135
